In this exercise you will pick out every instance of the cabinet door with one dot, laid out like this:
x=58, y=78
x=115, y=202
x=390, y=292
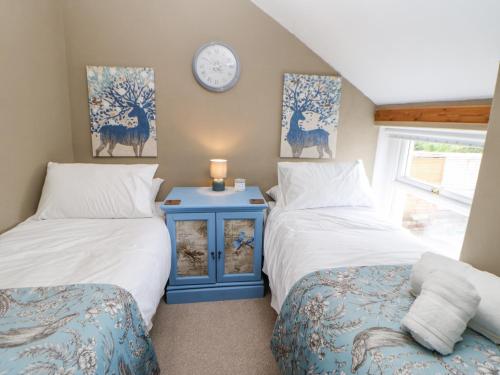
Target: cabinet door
x=193, y=248
x=239, y=246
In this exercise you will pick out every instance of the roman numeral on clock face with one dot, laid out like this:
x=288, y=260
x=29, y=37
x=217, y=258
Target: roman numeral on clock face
x=216, y=67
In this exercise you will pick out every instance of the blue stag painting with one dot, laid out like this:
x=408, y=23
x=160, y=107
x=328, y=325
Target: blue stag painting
x=122, y=111
x=310, y=115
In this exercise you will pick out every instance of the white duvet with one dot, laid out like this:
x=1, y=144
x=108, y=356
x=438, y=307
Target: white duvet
x=131, y=253
x=302, y=241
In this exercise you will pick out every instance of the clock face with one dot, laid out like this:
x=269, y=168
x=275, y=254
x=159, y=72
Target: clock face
x=216, y=67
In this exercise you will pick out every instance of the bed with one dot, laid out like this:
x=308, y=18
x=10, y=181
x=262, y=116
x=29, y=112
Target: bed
x=339, y=281
x=133, y=254
x=78, y=295
x=298, y=242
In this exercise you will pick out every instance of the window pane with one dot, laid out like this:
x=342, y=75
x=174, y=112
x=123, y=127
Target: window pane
x=442, y=228
x=450, y=167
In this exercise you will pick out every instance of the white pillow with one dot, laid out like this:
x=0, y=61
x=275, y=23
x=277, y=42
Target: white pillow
x=155, y=188
x=274, y=193
x=96, y=191
x=314, y=185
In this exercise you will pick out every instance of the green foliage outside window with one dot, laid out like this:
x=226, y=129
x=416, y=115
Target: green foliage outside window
x=445, y=147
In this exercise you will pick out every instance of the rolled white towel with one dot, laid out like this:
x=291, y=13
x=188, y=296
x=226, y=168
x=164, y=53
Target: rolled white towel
x=440, y=314
x=431, y=262
x=487, y=319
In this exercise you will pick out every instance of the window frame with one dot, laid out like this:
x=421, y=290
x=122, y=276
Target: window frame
x=391, y=161
x=402, y=177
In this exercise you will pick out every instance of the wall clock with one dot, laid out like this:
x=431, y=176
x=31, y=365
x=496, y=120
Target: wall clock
x=216, y=66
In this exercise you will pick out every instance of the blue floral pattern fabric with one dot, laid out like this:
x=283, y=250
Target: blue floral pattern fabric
x=347, y=321
x=73, y=329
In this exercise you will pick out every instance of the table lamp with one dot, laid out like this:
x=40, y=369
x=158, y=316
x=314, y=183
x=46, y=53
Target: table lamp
x=218, y=172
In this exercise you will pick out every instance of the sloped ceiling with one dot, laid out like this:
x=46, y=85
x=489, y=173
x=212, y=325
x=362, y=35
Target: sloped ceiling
x=401, y=51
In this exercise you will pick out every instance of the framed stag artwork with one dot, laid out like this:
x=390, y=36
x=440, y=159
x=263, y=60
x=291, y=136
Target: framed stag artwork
x=122, y=111
x=310, y=115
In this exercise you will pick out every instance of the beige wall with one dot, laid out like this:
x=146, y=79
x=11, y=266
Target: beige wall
x=46, y=44
x=482, y=239
x=34, y=105
x=194, y=125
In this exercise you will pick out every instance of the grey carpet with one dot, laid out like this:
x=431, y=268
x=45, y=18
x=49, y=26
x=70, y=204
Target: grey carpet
x=227, y=337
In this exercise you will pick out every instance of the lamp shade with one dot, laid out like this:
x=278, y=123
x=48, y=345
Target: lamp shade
x=218, y=168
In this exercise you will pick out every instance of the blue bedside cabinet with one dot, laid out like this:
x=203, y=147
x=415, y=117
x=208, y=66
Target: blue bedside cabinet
x=216, y=244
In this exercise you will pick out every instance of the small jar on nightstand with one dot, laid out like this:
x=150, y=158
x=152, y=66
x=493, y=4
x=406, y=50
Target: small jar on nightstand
x=216, y=240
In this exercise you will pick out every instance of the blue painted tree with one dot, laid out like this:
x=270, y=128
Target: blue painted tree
x=318, y=95
x=122, y=108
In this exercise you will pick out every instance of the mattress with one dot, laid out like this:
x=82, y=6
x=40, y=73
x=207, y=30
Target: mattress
x=133, y=254
x=298, y=242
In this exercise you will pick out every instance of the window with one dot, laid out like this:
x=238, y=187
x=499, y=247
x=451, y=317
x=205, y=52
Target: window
x=450, y=170
x=426, y=179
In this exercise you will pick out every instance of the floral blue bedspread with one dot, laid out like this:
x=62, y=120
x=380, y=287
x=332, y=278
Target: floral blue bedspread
x=73, y=329
x=347, y=321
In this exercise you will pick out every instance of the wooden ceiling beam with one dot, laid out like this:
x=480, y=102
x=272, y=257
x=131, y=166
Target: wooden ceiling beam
x=459, y=114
